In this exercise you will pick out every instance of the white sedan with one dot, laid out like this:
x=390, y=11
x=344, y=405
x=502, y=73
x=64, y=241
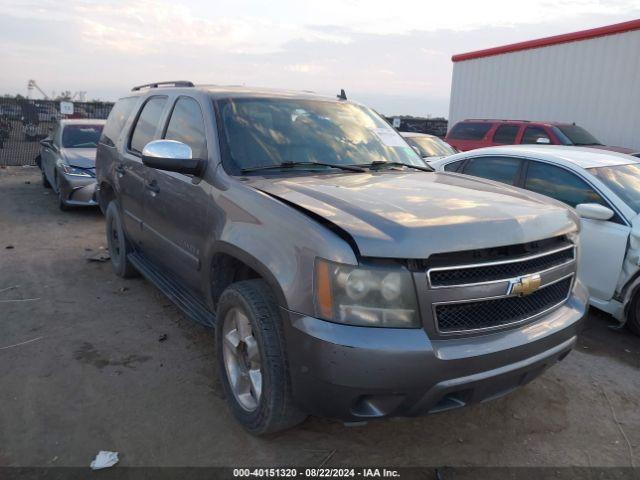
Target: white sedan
x=603, y=187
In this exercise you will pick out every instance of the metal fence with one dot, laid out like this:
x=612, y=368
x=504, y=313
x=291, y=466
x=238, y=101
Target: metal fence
x=24, y=122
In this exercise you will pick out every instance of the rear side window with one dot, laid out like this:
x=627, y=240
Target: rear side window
x=506, y=134
x=187, y=126
x=558, y=183
x=469, y=131
x=500, y=169
x=147, y=123
x=453, y=166
x=534, y=134
x=116, y=120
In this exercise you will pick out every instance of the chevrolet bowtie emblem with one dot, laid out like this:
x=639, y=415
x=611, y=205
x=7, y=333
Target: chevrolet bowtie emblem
x=524, y=285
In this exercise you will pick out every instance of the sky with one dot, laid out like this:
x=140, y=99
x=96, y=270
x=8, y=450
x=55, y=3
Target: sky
x=392, y=56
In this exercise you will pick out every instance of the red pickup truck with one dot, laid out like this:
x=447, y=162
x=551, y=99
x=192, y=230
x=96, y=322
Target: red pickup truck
x=470, y=134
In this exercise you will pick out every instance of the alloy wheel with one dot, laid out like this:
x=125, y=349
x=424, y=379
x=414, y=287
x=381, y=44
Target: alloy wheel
x=242, y=361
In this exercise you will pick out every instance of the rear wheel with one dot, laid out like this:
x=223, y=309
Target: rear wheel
x=252, y=359
x=119, y=246
x=633, y=315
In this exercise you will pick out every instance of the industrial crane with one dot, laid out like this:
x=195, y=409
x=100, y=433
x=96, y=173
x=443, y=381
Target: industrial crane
x=31, y=85
x=79, y=96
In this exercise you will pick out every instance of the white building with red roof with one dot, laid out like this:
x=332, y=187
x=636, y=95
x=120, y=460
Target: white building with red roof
x=591, y=77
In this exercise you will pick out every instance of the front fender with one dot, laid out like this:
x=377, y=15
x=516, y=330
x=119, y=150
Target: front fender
x=277, y=241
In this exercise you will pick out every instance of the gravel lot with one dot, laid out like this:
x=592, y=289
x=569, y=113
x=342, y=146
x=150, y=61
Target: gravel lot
x=82, y=369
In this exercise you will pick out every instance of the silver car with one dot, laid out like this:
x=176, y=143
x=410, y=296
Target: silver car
x=67, y=161
x=429, y=147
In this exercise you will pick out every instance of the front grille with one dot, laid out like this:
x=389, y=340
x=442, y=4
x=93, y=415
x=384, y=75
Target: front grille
x=499, y=271
x=498, y=312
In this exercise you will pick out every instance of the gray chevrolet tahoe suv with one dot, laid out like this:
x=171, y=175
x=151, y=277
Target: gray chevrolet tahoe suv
x=342, y=277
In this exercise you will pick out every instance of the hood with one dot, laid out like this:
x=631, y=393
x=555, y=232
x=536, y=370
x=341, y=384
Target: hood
x=80, y=157
x=612, y=149
x=414, y=215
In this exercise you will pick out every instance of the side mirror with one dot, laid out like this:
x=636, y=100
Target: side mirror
x=594, y=211
x=543, y=140
x=172, y=156
x=46, y=143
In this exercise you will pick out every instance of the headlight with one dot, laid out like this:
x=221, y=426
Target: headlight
x=75, y=171
x=366, y=296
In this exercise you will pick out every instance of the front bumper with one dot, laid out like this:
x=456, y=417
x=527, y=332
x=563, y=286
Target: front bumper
x=78, y=191
x=356, y=373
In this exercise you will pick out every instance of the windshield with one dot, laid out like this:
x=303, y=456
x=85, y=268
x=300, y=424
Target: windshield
x=431, y=146
x=576, y=135
x=263, y=132
x=624, y=180
x=81, y=136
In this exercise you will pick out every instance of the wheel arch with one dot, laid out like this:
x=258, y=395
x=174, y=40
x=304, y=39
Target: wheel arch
x=228, y=263
x=106, y=193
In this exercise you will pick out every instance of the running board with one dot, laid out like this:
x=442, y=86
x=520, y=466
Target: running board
x=183, y=298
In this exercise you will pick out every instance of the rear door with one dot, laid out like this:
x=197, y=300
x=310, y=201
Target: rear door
x=598, y=239
x=176, y=205
x=468, y=135
x=131, y=174
x=499, y=168
x=505, y=134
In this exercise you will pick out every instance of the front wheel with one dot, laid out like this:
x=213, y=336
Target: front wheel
x=62, y=204
x=118, y=244
x=45, y=182
x=252, y=359
x=633, y=314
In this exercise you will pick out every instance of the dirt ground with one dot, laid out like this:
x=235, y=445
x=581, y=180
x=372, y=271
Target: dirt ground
x=82, y=370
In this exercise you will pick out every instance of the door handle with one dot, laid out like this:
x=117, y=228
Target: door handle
x=153, y=188
x=120, y=171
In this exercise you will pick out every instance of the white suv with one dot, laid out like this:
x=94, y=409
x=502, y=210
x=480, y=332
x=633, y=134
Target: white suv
x=604, y=188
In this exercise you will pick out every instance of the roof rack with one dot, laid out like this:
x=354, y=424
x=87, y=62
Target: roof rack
x=173, y=83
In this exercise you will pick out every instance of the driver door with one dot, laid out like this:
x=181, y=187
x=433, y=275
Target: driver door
x=603, y=242
x=176, y=205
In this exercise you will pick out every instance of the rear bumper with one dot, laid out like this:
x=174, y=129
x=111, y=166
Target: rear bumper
x=78, y=191
x=357, y=373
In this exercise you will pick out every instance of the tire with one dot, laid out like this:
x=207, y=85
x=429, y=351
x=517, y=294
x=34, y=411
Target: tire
x=62, y=205
x=633, y=315
x=274, y=409
x=45, y=182
x=119, y=246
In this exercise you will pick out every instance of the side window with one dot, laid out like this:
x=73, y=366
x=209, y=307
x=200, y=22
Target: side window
x=469, y=131
x=500, y=169
x=147, y=123
x=534, y=134
x=187, y=126
x=506, y=134
x=560, y=184
x=117, y=118
x=453, y=166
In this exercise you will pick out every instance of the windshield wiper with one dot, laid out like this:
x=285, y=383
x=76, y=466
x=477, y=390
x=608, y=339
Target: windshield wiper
x=284, y=165
x=379, y=164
